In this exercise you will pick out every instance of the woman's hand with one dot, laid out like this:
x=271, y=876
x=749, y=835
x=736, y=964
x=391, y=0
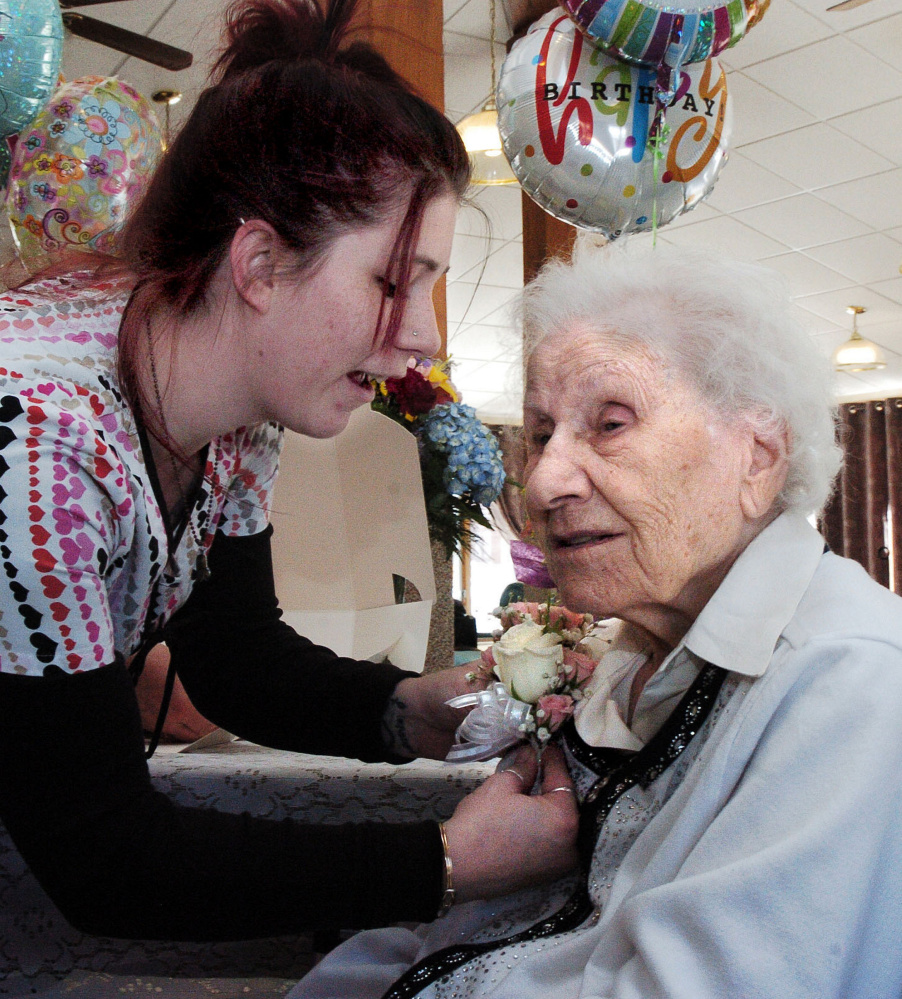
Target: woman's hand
x=418, y=722
x=501, y=838
x=184, y=723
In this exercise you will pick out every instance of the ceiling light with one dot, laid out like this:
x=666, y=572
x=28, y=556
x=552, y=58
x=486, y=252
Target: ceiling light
x=483, y=142
x=167, y=98
x=482, y=138
x=858, y=354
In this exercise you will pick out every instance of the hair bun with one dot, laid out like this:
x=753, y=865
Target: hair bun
x=262, y=31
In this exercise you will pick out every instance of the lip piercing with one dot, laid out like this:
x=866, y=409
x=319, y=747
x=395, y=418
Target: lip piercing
x=416, y=333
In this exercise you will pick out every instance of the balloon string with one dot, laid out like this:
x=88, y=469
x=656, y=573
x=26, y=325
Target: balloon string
x=660, y=134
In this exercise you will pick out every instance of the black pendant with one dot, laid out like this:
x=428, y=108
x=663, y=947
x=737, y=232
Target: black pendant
x=201, y=569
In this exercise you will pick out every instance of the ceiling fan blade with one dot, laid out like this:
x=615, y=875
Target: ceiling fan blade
x=68, y=4
x=847, y=5
x=129, y=42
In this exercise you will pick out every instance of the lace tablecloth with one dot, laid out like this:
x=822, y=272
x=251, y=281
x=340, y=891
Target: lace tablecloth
x=39, y=950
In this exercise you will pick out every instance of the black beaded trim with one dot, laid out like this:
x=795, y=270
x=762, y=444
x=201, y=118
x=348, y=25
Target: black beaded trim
x=618, y=773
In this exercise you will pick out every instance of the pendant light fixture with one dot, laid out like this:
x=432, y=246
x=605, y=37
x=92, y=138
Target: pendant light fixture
x=482, y=138
x=858, y=354
x=167, y=98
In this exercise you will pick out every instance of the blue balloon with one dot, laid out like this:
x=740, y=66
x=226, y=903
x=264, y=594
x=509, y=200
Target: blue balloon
x=31, y=46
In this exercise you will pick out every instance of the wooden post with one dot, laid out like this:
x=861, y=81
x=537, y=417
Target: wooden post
x=409, y=35
x=544, y=237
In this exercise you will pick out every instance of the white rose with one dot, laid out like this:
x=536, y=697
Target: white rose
x=527, y=661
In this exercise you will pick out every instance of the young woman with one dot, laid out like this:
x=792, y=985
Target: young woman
x=284, y=255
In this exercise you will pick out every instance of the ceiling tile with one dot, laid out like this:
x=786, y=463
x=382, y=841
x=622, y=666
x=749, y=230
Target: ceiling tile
x=775, y=35
x=816, y=156
x=452, y=7
x=467, y=84
x=504, y=266
x=888, y=336
x=488, y=376
x=801, y=221
x=882, y=38
x=862, y=259
x=876, y=127
x=742, y=183
x=804, y=275
x=891, y=288
x=503, y=208
x=759, y=112
x=828, y=77
x=474, y=19
x=469, y=252
x=484, y=343
x=505, y=408
x=882, y=384
x=832, y=305
x=473, y=303
x=876, y=201
x=700, y=212
x=847, y=19
x=727, y=235
x=472, y=397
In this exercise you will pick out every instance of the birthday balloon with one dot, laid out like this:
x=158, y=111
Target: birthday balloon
x=85, y=159
x=665, y=32
x=31, y=46
x=589, y=140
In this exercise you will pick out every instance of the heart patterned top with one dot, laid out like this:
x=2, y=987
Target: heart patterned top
x=88, y=567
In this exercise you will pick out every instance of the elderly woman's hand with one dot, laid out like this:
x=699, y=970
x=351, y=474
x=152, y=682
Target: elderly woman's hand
x=501, y=838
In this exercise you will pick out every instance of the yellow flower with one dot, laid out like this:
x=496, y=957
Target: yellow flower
x=439, y=376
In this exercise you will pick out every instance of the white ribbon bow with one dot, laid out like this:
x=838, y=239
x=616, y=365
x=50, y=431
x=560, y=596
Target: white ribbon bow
x=492, y=726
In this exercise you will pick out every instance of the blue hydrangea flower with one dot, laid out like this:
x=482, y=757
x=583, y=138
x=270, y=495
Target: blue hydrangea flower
x=474, y=459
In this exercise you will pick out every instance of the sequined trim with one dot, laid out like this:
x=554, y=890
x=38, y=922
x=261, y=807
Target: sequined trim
x=617, y=773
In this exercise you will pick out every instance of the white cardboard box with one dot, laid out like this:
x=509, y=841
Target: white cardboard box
x=348, y=512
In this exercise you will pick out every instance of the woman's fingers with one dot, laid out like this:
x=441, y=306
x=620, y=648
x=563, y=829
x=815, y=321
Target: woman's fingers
x=502, y=838
x=555, y=777
x=520, y=762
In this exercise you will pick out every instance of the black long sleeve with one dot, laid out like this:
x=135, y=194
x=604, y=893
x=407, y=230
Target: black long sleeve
x=120, y=859
x=251, y=673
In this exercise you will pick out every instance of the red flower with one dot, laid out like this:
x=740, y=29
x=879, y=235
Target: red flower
x=415, y=394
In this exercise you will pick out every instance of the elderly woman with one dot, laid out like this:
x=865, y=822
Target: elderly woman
x=739, y=786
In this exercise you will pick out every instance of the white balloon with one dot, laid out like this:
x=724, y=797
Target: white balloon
x=578, y=129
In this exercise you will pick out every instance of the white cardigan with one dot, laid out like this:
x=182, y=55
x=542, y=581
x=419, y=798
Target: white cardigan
x=774, y=867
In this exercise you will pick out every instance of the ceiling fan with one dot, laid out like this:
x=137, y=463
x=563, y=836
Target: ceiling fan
x=120, y=39
x=847, y=5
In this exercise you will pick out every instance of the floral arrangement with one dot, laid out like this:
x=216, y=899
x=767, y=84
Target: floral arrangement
x=541, y=667
x=460, y=459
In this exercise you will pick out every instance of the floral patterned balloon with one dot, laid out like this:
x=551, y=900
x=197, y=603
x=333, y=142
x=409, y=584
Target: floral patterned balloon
x=589, y=140
x=74, y=172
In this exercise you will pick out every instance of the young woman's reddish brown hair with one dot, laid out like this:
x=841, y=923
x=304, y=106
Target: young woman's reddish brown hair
x=302, y=128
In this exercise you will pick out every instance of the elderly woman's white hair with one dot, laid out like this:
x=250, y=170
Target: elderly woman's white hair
x=726, y=326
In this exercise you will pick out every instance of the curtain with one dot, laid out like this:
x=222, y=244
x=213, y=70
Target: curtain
x=863, y=519
x=509, y=506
